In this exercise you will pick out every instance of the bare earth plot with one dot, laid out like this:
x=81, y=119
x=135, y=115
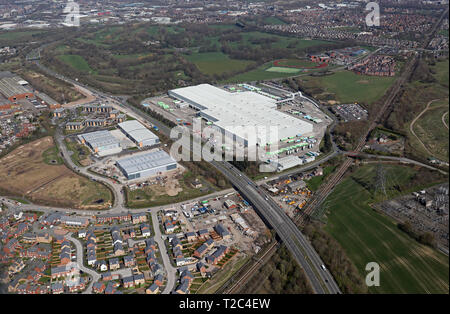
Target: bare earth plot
x=24, y=173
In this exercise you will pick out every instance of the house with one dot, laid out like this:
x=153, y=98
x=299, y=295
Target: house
x=118, y=249
x=151, y=258
x=110, y=288
x=145, y=230
x=191, y=236
x=128, y=282
x=201, y=268
x=176, y=243
x=57, y=288
x=16, y=266
x=34, y=276
x=98, y=287
x=201, y=250
x=65, y=256
x=107, y=276
x=217, y=255
x=203, y=234
x=139, y=279
x=156, y=269
x=116, y=237
x=128, y=261
x=138, y=218
x=114, y=264
x=186, y=275
x=183, y=288
x=153, y=289
x=222, y=231
x=11, y=246
x=150, y=243
x=29, y=238
x=81, y=234
x=158, y=280
x=91, y=257
x=170, y=226
x=209, y=243
x=61, y=271
x=44, y=238
x=102, y=266
x=177, y=252
x=181, y=261
x=81, y=285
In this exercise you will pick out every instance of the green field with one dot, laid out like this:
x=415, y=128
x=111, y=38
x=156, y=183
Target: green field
x=349, y=87
x=283, y=70
x=51, y=156
x=258, y=74
x=432, y=131
x=211, y=63
x=19, y=35
x=367, y=236
x=442, y=70
x=77, y=62
x=297, y=63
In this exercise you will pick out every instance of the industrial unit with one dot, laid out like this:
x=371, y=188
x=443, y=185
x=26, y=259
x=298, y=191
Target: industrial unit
x=146, y=164
x=101, y=142
x=13, y=87
x=138, y=133
x=229, y=110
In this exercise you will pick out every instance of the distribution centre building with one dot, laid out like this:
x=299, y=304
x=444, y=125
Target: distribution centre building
x=229, y=110
x=146, y=164
x=138, y=133
x=101, y=142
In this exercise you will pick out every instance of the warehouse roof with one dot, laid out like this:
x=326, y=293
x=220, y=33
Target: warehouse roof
x=99, y=138
x=137, y=131
x=248, y=108
x=145, y=161
x=10, y=86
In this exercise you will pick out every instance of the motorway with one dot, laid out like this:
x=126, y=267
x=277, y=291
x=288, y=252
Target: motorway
x=321, y=280
x=303, y=252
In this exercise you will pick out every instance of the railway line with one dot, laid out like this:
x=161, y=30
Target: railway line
x=324, y=191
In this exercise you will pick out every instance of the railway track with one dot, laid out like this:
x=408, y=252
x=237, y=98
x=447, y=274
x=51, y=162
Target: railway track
x=238, y=284
x=323, y=192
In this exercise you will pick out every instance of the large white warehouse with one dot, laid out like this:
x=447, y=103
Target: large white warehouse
x=138, y=133
x=228, y=110
x=145, y=165
x=101, y=142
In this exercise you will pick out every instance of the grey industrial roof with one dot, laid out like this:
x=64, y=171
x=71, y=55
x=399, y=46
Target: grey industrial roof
x=47, y=99
x=137, y=131
x=229, y=110
x=10, y=86
x=99, y=138
x=145, y=161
